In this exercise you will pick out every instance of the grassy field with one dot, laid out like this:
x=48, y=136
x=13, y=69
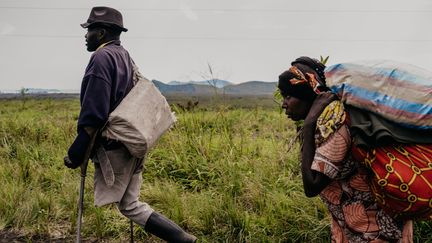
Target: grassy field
x=223, y=173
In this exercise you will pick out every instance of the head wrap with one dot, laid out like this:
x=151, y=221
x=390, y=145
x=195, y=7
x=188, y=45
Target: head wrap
x=304, y=79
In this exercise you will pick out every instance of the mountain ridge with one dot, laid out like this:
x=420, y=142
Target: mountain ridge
x=212, y=82
x=187, y=88
x=246, y=88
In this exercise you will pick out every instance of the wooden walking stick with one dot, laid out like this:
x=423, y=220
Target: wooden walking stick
x=82, y=185
x=131, y=232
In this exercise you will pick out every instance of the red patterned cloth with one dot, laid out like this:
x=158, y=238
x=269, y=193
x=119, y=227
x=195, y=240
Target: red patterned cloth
x=401, y=178
x=356, y=216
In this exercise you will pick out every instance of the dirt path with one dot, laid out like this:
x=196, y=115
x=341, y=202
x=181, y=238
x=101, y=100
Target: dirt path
x=8, y=236
x=16, y=237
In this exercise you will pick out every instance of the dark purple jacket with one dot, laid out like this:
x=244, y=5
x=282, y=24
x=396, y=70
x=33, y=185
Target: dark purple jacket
x=107, y=80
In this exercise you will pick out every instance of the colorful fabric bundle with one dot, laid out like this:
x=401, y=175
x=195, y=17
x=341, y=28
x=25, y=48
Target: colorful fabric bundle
x=399, y=92
x=401, y=178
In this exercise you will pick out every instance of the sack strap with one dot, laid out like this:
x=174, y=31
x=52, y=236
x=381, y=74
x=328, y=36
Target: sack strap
x=136, y=76
x=136, y=73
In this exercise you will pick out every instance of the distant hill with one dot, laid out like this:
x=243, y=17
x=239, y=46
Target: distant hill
x=243, y=89
x=187, y=89
x=41, y=91
x=33, y=91
x=247, y=88
x=252, y=88
x=214, y=82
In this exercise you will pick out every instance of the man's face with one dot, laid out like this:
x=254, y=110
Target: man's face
x=93, y=39
x=296, y=109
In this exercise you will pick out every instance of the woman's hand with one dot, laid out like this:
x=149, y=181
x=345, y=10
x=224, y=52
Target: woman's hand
x=313, y=181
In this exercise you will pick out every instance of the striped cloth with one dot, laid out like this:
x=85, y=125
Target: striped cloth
x=399, y=92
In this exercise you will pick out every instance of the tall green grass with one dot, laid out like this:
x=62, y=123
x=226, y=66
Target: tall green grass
x=223, y=174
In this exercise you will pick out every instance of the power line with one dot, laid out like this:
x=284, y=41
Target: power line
x=42, y=36
x=229, y=10
x=40, y=8
x=220, y=38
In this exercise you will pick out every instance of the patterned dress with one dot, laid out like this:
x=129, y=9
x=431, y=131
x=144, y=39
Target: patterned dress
x=356, y=217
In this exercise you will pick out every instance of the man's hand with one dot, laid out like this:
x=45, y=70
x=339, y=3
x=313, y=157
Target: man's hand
x=68, y=163
x=77, y=151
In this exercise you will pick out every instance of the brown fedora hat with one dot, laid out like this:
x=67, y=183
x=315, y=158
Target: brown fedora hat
x=105, y=15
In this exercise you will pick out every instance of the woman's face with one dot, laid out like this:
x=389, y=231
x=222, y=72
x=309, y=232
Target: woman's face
x=295, y=108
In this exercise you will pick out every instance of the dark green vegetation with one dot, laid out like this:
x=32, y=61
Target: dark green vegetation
x=223, y=173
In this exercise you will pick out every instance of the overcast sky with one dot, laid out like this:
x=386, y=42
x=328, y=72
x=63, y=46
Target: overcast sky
x=42, y=44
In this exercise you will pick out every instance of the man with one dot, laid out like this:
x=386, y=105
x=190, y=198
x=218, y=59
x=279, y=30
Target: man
x=107, y=80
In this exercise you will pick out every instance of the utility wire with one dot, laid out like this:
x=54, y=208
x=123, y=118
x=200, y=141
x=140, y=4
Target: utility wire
x=229, y=10
x=221, y=38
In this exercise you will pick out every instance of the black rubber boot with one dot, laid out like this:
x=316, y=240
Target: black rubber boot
x=166, y=229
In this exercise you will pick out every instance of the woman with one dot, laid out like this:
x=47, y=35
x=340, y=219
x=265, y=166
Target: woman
x=327, y=167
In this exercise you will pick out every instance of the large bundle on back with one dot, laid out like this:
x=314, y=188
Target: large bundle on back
x=399, y=92
x=401, y=96
x=141, y=118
